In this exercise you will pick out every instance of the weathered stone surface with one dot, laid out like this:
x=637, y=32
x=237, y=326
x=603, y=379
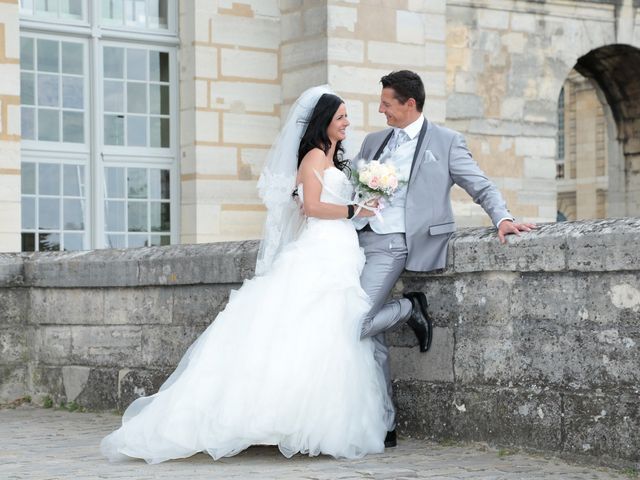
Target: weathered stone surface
x=11, y=269
x=199, y=304
x=13, y=305
x=139, y=383
x=532, y=340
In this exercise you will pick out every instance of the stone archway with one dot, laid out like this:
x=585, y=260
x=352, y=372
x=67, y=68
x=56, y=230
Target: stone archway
x=615, y=70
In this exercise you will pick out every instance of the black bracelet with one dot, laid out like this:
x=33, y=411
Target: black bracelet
x=350, y=211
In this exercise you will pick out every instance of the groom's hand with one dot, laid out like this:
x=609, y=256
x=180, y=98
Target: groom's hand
x=508, y=227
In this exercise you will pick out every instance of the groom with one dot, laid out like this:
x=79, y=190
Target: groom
x=418, y=221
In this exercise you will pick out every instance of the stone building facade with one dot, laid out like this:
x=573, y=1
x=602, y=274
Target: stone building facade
x=180, y=165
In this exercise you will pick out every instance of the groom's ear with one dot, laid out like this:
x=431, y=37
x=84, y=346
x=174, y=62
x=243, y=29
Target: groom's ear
x=411, y=103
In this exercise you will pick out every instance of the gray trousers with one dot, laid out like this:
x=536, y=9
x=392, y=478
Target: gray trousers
x=386, y=257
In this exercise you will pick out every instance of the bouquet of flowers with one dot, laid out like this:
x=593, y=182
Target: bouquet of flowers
x=376, y=181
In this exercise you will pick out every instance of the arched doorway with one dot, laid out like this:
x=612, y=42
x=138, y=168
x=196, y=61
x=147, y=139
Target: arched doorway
x=599, y=136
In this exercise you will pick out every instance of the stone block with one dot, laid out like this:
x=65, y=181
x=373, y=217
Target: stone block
x=388, y=53
x=494, y=19
x=355, y=113
x=539, y=167
x=14, y=381
x=200, y=97
x=133, y=306
x=135, y=383
x=609, y=244
x=297, y=81
x=291, y=25
x=408, y=363
x=523, y=22
x=244, y=97
x=424, y=409
x=358, y=80
x=199, y=304
x=435, y=27
x=464, y=105
x=52, y=345
x=249, y=64
x=207, y=126
x=410, y=27
x=99, y=390
x=375, y=118
x=14, y=304
x=66, y=306
x=435, y=55
x=254, y=158
x=341, y=18
x=603, y=424
x=263, y=128
x=303, y=52
x=206, y=62
x=539, y=250
x=344, y=50
x=315, y=20
x=164, y=346
x=536, y=147
x=257, y=32
x=10, y=74
x=216, y=160
x=106, y=346
x=14, y=345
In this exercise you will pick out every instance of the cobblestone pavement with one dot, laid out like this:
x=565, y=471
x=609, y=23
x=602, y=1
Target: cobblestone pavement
x=41, y=444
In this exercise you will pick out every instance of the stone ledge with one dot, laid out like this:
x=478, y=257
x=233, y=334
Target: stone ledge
x=594, y=245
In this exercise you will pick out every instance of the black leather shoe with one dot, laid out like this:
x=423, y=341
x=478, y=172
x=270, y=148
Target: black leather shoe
x=390, y=440
x=420, y=322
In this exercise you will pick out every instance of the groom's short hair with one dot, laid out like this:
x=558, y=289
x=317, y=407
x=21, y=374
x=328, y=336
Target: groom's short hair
x=406, y=84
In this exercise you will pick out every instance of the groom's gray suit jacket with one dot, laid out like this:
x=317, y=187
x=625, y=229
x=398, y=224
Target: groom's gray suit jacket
x=441, y=159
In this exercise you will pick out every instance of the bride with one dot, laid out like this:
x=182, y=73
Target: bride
x=283, y=364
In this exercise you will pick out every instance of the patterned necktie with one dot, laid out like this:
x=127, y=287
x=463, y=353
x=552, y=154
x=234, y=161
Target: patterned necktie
x=401, y=137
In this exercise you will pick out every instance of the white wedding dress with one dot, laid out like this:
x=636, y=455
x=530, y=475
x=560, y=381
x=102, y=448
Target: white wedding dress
x=283, y=364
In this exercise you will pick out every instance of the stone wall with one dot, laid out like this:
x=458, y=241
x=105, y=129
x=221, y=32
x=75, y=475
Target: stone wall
x=9, y=127
x=536, y=342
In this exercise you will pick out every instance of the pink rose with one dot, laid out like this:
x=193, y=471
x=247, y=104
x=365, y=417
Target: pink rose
x=374, y=183
x=393, y=183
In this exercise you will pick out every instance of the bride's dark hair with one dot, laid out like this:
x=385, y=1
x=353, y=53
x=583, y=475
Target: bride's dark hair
x=315, y=135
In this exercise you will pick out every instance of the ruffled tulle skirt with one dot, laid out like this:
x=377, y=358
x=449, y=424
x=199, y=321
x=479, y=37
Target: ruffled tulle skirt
x=282, y=365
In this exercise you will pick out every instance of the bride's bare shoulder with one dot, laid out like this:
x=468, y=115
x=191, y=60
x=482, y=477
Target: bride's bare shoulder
x=314, y=160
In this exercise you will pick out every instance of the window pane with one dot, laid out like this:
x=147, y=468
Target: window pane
x=73, y=127
x=158, y=14
x=48, y=213
x=28, y=208
x=159, y=132
x=71, y=9
x=113, y=62
x=28, y=178
x=73, y=241
x=134, y=12
x=136, y=64
x=159, y=99
x=159, y=184
x=137, y=213
x=73, y=180
x=113, y=96
x=116, y=241
x=72, y=58
x=114, y=216
x=49, y=241
x=137, y=131
x=160, y=217
x=115, y=182
x=48, y=90
x=136, y=97
x=73, y=215
x=27, y=89
x=47, y=55
x=72, y=92
x=138, y=240
x=137, y=183
x=27, y=123
x=26, y=53
x=47, y=7
x=48, y=179
x=28, y=242
x=159, y=240
x=159, y=66
x=112, y=11
x=48, y=125
x=114, y=129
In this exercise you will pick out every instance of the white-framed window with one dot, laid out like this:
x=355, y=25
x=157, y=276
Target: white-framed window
x=99, y=123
